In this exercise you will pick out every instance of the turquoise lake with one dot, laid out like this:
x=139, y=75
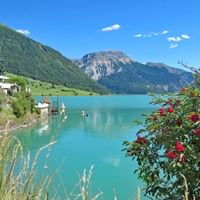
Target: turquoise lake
x=93, y=140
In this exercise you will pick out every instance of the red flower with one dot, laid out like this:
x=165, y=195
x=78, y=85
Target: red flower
x=170, y=109
x=179, y=147
x=141, y=140
x=194, y=117
x=197, y=132
x=162, y=111
x=171, y=154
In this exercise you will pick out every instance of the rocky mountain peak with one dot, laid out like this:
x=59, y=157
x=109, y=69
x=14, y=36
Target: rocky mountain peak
x=108, y=55
x=103, y=63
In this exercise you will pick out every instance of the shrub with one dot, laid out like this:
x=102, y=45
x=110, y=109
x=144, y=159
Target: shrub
x=167, y=148
x=22, y=104
x=18, y=109
x=2, y=97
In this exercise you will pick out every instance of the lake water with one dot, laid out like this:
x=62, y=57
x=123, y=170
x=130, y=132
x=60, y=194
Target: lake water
x=93, y=140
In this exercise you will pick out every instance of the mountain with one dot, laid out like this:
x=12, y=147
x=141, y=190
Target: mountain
x=101, y=64
x=24, y=56
x=120, y=74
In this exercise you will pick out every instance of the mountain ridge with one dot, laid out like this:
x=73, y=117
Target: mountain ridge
x=123, y=75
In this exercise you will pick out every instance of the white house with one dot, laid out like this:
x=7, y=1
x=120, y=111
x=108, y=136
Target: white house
x=3, y=78
x=8, y=87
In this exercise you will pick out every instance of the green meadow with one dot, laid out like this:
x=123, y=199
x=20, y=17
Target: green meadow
x=39, y=88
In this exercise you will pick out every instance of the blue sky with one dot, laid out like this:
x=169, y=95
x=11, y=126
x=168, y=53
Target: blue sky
x=146, y=30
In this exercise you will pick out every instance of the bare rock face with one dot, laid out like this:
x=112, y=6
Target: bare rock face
x=101, y=64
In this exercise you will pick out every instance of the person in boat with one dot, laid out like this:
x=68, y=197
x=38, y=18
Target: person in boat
x=84, y=114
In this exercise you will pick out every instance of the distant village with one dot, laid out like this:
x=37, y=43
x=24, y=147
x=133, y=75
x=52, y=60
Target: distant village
x=7, y=87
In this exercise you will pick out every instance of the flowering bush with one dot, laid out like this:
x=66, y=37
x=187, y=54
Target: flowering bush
x=167, y=148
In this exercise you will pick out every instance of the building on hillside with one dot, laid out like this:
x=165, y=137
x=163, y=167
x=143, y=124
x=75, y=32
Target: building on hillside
x=7, y=87
x=3, y=78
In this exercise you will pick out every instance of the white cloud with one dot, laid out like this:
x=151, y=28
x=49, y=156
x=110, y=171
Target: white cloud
x=185, y=36
x=177, y=39
x=174, y=39
x=172, y=46
x=24, y=32
x=113, y=27
x=164, y=32
x=138, y=35
x=152, y=34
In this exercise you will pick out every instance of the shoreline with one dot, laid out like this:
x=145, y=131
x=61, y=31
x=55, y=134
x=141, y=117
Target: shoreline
x=15, y=126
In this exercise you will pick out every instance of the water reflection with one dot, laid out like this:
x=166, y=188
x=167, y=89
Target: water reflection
x=44, y=127
x=110, y=122
x=36, y=136
x=104, y=123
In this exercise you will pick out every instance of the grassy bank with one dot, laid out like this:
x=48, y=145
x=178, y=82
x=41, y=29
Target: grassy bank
x=39, y=88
